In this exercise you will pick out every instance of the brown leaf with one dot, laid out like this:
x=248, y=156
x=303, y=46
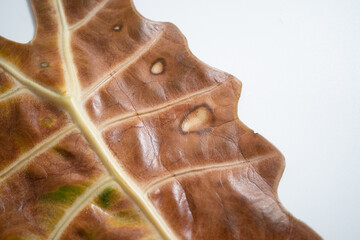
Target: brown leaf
x=112, y=129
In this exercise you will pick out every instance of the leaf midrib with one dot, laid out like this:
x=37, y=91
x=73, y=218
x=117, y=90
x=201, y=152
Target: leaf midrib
x=82, y=120
x=70, y=102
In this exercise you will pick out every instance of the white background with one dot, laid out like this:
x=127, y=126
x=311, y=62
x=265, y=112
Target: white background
x=299, y=61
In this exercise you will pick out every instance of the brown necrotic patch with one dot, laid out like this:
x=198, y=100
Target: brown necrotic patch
x=198, y=120
x=158, y=67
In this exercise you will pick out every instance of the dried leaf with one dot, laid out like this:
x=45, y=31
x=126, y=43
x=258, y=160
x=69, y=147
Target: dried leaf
x=112, y=129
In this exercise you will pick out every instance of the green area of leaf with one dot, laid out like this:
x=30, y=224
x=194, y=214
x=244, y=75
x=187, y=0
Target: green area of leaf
x=129, y=217
x=104, y=199
x=64, y=194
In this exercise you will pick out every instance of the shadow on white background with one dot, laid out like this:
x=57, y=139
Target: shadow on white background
x=299, y=62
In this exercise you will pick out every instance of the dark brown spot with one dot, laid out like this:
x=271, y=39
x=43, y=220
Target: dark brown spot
x=64, y=153
x=81, y=233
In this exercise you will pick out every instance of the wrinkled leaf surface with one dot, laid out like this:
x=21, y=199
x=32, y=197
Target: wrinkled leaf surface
x=111, y=129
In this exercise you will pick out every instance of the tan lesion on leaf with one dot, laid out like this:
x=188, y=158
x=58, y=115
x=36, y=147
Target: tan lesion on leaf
x=197, y=120
x=48, y=121
x=117, y=27
x=158, y=67
x=44, y=64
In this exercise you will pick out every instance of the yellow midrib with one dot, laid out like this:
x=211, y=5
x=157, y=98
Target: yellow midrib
x=74, y=107
x=70, y=102
x=82, y=121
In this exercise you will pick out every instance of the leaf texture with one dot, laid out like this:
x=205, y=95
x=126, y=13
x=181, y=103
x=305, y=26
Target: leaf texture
x=112, y=129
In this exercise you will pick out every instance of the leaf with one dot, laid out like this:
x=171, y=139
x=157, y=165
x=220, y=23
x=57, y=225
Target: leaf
x=112, y=129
